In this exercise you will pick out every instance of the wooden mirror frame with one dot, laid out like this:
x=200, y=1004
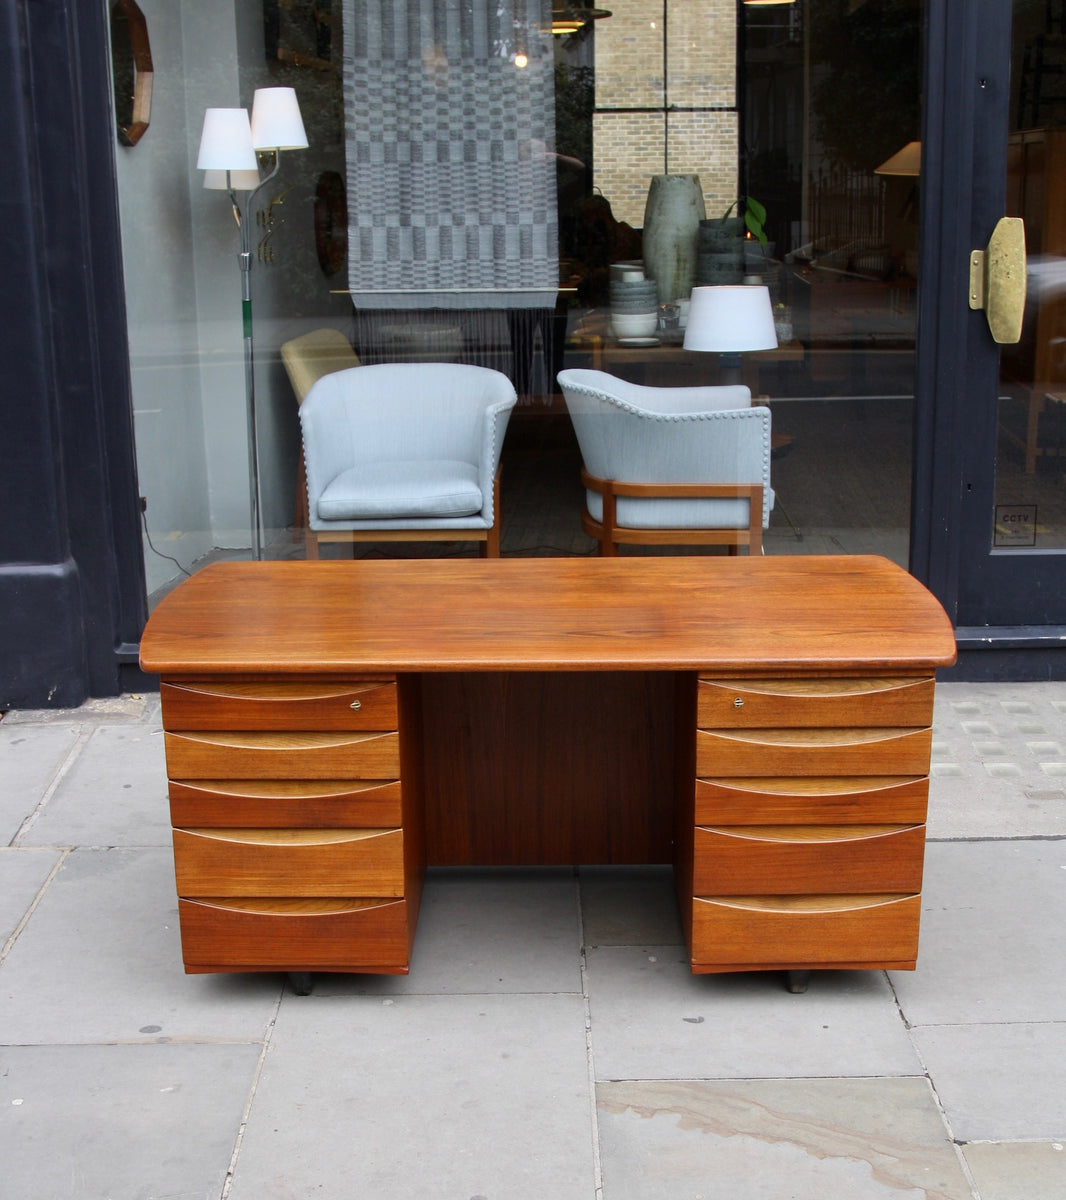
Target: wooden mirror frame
x=131, y=59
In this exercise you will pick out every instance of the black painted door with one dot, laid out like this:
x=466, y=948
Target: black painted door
x=990, y=531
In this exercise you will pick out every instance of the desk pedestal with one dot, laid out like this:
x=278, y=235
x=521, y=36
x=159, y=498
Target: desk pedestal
x=305, y=810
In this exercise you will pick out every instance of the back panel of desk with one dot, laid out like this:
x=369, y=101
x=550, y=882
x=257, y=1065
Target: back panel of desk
x=551, y=769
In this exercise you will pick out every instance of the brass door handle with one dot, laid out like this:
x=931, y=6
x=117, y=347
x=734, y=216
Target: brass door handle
x=997, y=280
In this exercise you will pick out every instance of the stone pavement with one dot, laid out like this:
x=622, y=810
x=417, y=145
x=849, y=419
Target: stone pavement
x=550, y=1042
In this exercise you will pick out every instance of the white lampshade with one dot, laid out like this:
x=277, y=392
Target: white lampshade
x=730, y=319
x=226, y=141
x=224, y=181
x=276, y=120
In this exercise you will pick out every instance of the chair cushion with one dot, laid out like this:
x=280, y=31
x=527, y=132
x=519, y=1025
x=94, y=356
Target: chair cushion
x=654, y=513
x=424, y=488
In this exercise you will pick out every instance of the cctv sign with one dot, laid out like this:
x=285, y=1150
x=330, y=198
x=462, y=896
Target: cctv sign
x=1015, y=525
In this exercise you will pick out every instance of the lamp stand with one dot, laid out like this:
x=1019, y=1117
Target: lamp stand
x=244, y=258
x=729, y=368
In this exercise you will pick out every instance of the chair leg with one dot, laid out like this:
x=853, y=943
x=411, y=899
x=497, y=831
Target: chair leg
x=608, y=546
x=755, y=521
x=310, y=543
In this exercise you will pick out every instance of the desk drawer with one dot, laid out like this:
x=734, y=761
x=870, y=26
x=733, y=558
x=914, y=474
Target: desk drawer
x=801, y=859
x=847, y=751
x=782, y=931
x=812, y=799
x=286, y=804
x=784, y=703
x=359, y=704
x=295, y=935
x=288, y=862
x=211, y=755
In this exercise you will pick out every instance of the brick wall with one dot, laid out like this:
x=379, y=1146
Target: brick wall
x=629, y=150
x=687, y=60
x=705, y=143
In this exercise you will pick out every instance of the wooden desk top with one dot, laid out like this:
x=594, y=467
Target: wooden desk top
x=769, y=615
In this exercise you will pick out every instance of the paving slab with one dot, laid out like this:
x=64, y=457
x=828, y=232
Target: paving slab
x=653, y=1019
x=30, y=758
x=114, y=794
x=1018, y=1170
x=805, y=1139
x=410, y=1097
x=999, y=1082
x=501, y=930
x=22, y=875
x=103, y=1122
x=121, y=710
x=630, y=906
x=999, y=761
x=993, y=936
x=100, y=961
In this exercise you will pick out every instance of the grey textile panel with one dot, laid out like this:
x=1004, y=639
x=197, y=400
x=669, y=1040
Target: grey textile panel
x=450, y=153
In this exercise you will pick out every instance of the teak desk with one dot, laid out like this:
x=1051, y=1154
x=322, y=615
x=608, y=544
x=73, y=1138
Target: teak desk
x=761, y=723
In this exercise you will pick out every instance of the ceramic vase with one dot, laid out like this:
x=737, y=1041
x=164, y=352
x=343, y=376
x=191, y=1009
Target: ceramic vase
x=672, y=218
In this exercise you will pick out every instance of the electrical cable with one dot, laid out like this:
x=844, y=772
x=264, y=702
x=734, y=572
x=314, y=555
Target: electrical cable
x=151, y=546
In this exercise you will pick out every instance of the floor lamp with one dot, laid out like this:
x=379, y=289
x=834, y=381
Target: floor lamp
x=229, y=144
x=728, y=320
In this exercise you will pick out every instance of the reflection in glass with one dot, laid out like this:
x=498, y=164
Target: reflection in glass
x=788, y=115
x=792, y=130
x=1030, y=497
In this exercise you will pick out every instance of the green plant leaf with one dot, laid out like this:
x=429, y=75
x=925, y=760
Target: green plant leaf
x=754, y=216
x=755, y=229
x=755, y=209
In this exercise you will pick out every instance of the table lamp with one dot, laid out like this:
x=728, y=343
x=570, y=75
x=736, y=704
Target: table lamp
x=728, y=320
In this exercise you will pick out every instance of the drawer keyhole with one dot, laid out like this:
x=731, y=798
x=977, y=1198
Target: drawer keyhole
x=357, y=705
x=738, y=703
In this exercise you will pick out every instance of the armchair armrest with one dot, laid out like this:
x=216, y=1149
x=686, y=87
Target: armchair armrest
x=493, y=427
x=611, y=534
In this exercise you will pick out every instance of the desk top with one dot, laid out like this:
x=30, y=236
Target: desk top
x=764, y=615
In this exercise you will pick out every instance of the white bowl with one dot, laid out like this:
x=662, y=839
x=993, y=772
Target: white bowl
x=631, y=325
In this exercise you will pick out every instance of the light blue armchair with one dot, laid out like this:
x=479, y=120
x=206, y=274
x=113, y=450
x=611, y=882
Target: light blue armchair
x=670, y=466
x=405, y=452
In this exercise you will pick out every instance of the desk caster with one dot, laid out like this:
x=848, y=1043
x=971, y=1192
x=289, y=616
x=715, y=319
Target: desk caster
x=796, y=981
x=301, y=982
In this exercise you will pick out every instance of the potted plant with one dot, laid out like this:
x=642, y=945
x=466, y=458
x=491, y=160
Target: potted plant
x=723, y=242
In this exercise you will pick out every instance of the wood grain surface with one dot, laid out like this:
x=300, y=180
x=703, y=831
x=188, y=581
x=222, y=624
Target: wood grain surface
x=717, y=614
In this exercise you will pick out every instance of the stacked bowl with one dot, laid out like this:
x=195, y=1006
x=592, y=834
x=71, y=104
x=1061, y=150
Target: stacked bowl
x=634, y=306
